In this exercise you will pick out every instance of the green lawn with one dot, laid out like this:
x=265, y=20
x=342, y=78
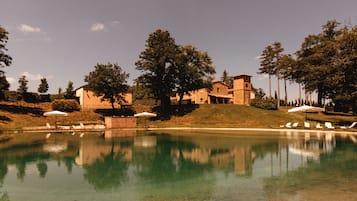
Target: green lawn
x=18, y=115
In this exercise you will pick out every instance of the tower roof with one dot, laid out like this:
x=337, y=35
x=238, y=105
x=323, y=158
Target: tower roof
x=241, y=75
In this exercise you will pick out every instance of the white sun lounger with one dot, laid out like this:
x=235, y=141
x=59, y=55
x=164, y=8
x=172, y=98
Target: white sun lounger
x=295, y=125
x=318, y=125
x=329, y=125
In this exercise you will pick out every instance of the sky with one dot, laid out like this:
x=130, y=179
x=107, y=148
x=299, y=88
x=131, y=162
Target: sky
x=62, y=40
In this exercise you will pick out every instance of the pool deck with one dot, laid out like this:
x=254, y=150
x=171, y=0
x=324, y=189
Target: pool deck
x=233, y=129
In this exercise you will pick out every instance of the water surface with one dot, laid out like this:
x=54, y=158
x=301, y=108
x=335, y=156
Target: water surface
x=181, y=166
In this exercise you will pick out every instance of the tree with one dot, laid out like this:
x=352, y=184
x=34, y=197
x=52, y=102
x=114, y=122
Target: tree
x=69, y=94
x=267, y=65
x=109, y=82
x=43, y=87
x=157, y=62
x=5, y=59
x=195, y=70
x=286, y=66
x=4, y=86
x=228, y=80
x=315, y=59
x=343, y=79
x=22, y=89
x=277, y=50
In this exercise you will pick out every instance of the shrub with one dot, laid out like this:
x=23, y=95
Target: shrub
x=265, y=103
x=31, y=97
x=67, y=105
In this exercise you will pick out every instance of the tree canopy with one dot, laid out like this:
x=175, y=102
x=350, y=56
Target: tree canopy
x=168, y=67
x=108, y=81
x=22, y=89
x=43, y=87
x=5, y=59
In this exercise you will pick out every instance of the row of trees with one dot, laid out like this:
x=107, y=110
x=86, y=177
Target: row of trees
x=325, y=64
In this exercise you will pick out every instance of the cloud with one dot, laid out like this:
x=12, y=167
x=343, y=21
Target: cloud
x=35, y=77
x=97, y=27
x=11, y=80
x=263, y=76
x=29, y=29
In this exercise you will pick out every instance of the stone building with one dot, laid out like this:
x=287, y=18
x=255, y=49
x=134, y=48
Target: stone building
x=88, y=100
x=241, y=93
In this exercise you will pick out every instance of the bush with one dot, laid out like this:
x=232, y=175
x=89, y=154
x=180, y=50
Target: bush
x=31, y=97
x=265, y=103
x=69, y=105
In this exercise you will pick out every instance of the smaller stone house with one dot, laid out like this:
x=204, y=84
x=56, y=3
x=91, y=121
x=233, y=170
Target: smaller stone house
x=88, y=100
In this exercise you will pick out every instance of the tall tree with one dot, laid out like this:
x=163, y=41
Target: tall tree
x=109, y=82
x=194, y=70
x=22, y=89
x=315, y=59
x=5, y=59
x=228, y=80
x=69, y=93
x=286, y=66
x=267, y=64
x=277, y=54
x=157, y=62
x=344, y=93
x=43, y=86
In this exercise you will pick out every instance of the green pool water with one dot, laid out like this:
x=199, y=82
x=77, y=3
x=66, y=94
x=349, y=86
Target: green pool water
x=151, y=166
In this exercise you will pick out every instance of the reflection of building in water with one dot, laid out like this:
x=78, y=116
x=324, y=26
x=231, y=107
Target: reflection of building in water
x=241, y=157
x=112, y=133
x=90, y=151
x=243, y=160
x=197, y=155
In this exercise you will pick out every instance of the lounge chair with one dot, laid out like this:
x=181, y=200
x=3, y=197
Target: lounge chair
x=318, y=125
x=295, y=125
x=353, y=124
x=329, y=125
x=288, y=125
x=306, y=124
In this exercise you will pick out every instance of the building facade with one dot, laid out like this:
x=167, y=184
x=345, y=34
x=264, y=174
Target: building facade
x=221, y=94
x=88, y=100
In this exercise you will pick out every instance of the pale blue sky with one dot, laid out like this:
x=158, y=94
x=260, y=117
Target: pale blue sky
x=63, y=40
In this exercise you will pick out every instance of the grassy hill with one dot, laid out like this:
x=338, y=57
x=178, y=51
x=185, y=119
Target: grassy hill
x=20, y=114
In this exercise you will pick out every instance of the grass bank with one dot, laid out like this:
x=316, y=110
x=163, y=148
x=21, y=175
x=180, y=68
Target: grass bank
x=20, y=114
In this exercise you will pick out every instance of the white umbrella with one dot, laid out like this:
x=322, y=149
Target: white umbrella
x=55, y=113
x=145, y=114
x=306, y=108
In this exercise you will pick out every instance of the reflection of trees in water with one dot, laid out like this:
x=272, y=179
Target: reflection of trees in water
x=108, y=172
x=166, y=173
x=42, y=168
x=332, y=173
x=4, y=197
x=23, y=155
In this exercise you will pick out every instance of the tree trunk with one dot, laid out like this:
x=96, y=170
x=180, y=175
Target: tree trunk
x=165, y=105
x=286, y=93
x=278, y=103
x=299, y=94
x=270, y=86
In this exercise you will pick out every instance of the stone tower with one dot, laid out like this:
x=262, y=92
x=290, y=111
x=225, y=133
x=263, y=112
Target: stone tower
x=242, y=88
